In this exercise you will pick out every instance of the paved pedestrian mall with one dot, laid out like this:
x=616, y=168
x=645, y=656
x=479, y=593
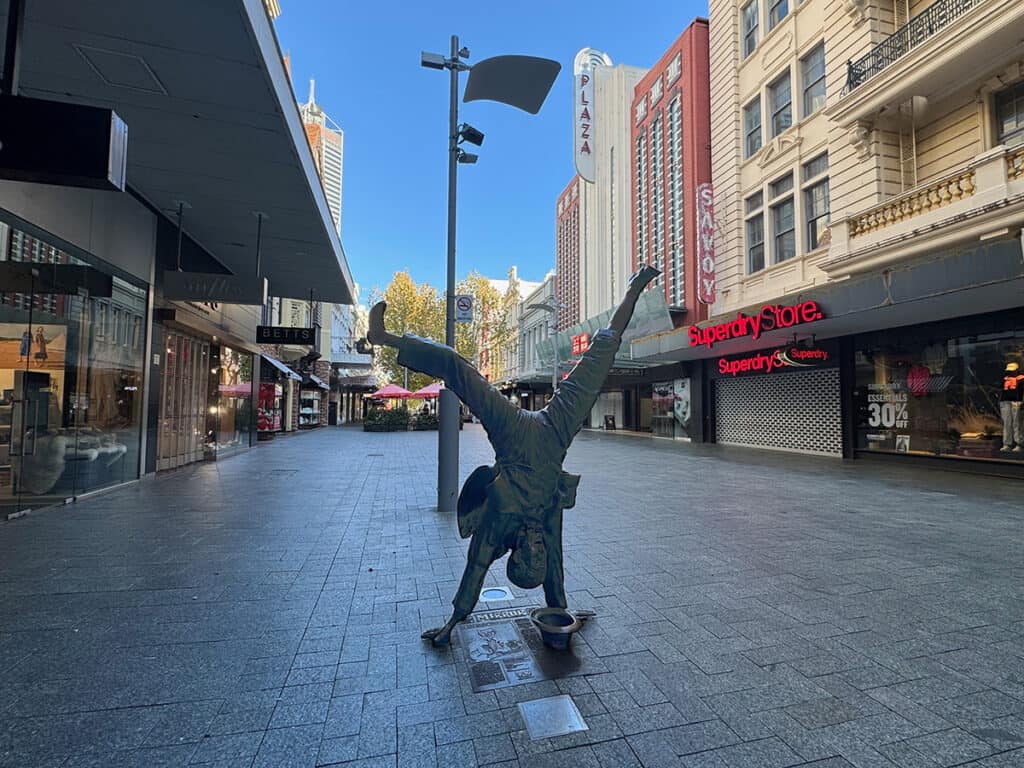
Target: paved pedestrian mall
x=753, y=610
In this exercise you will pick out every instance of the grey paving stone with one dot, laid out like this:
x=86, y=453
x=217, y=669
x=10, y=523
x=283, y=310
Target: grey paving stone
x=337, y=750
x=615, y=754
x=461, y=755
x=583, y=757
x=228, y=747
x=698, y=737
x=494, y=749
x=286, y=715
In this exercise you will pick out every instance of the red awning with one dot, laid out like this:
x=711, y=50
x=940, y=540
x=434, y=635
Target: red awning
x=391, y=391
x=428, y=392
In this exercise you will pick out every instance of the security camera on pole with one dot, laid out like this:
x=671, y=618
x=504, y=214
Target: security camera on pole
x=519, y=81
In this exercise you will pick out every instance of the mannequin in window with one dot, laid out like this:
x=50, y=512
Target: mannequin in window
x=1011, y=410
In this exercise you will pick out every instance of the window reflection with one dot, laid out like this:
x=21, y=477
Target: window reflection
x=923, y=392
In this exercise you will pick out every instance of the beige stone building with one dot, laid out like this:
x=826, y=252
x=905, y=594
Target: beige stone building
x=868, y=169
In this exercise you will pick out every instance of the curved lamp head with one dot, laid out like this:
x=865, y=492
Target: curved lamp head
x=519, y=81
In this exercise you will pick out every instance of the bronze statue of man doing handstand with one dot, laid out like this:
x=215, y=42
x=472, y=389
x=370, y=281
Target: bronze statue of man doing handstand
x=517, y=503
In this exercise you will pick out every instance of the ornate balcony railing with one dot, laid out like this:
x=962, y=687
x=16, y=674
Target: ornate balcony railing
x=923, y=200
x=932, y=20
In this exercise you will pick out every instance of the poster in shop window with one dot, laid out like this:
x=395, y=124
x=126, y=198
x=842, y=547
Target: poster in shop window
x=681, y=408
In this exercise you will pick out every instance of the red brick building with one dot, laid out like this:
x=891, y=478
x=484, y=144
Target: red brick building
x=671, y=148
x=569, y=246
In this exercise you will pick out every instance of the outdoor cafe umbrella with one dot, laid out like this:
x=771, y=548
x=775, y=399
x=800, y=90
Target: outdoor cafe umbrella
x=428, y=392
x=391, y=392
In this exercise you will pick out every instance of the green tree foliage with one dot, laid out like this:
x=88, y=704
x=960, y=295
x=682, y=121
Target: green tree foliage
x=420, y=309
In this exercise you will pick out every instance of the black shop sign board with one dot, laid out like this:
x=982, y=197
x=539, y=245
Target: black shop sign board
x=272, y=334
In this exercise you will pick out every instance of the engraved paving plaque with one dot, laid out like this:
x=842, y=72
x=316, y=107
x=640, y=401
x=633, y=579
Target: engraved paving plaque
x=503, y=648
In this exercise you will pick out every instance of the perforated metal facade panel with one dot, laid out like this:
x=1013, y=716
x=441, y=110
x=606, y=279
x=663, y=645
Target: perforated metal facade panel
x=789, y=411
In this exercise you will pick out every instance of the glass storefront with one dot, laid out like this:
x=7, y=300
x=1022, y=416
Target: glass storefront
x=71, y=372
x=671, y=409
x=231, y=421
x=948, y=389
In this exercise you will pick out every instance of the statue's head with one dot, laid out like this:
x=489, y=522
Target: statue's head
x=528, y=562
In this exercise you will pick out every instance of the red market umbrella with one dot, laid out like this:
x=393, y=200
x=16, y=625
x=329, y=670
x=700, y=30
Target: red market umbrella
x=428, y=392
x=391, y=391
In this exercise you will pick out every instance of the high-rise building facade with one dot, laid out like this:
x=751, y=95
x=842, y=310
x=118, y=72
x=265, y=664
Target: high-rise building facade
x=327, y=141
x=670, y=156
x=609, y=236
x=570, y=250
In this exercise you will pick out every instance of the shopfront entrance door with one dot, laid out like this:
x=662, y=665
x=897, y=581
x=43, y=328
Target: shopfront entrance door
x=183, y=401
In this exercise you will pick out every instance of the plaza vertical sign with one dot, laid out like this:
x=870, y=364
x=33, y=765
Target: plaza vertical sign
x=586, y=61
x=706, y=243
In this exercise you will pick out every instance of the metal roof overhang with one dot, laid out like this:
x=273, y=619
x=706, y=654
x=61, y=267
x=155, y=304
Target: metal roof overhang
x=288, y=372
x=972, y=281
x=211, y=120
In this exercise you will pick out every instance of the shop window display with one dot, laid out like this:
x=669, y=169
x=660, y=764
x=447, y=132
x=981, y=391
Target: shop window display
x=921, y=391
x=231, y=420
x=70, y=383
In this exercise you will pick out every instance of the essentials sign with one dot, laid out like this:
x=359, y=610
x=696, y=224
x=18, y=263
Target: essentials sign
x=770, y=318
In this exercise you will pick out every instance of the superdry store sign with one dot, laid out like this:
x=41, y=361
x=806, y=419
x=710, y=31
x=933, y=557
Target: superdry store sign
x=775, y=361
x=771, y=317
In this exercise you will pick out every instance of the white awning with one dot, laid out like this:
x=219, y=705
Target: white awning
x=282, y=367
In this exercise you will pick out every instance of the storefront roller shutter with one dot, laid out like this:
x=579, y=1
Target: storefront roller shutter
x=790, y=411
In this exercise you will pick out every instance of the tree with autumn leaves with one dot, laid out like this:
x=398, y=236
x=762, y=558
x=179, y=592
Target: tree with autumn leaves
x=420, y=309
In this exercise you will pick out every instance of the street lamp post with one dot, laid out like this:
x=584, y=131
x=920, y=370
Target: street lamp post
x=551, y=306
x=519, y=81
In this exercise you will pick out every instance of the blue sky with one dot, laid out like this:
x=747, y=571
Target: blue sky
x=365, y=59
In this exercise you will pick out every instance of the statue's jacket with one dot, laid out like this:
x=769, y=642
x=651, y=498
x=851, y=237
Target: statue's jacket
x=526, y=481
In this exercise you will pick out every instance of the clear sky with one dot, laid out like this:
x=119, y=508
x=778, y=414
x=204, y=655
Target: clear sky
x=365, y=57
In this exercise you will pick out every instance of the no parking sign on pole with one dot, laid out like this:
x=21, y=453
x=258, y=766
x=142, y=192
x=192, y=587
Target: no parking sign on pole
x=463, y=309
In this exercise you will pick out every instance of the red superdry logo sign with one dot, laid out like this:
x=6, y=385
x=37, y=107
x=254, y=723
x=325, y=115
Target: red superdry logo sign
x=770, y=318
x=768, y=362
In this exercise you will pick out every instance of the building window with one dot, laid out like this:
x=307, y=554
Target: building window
x=674, y=68
x=813, y=71
x=752, y=127
x=755, y=232
x=816, y=200
x=1010, y=114
x=780, y=101
x=783, y=219
x=777, y=11
x=641, y=108
x=656, y=90
x=750, y=14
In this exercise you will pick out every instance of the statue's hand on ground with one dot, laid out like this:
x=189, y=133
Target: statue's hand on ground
x=376, y=334
x=438, y=635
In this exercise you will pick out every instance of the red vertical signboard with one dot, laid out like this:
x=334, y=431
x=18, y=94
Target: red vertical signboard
x=706, y=243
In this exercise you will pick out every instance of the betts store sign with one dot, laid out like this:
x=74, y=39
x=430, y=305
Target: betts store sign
x=771, y=317
x=775, y=361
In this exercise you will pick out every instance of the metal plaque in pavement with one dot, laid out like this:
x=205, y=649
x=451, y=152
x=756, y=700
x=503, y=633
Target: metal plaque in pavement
x=503, y=648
